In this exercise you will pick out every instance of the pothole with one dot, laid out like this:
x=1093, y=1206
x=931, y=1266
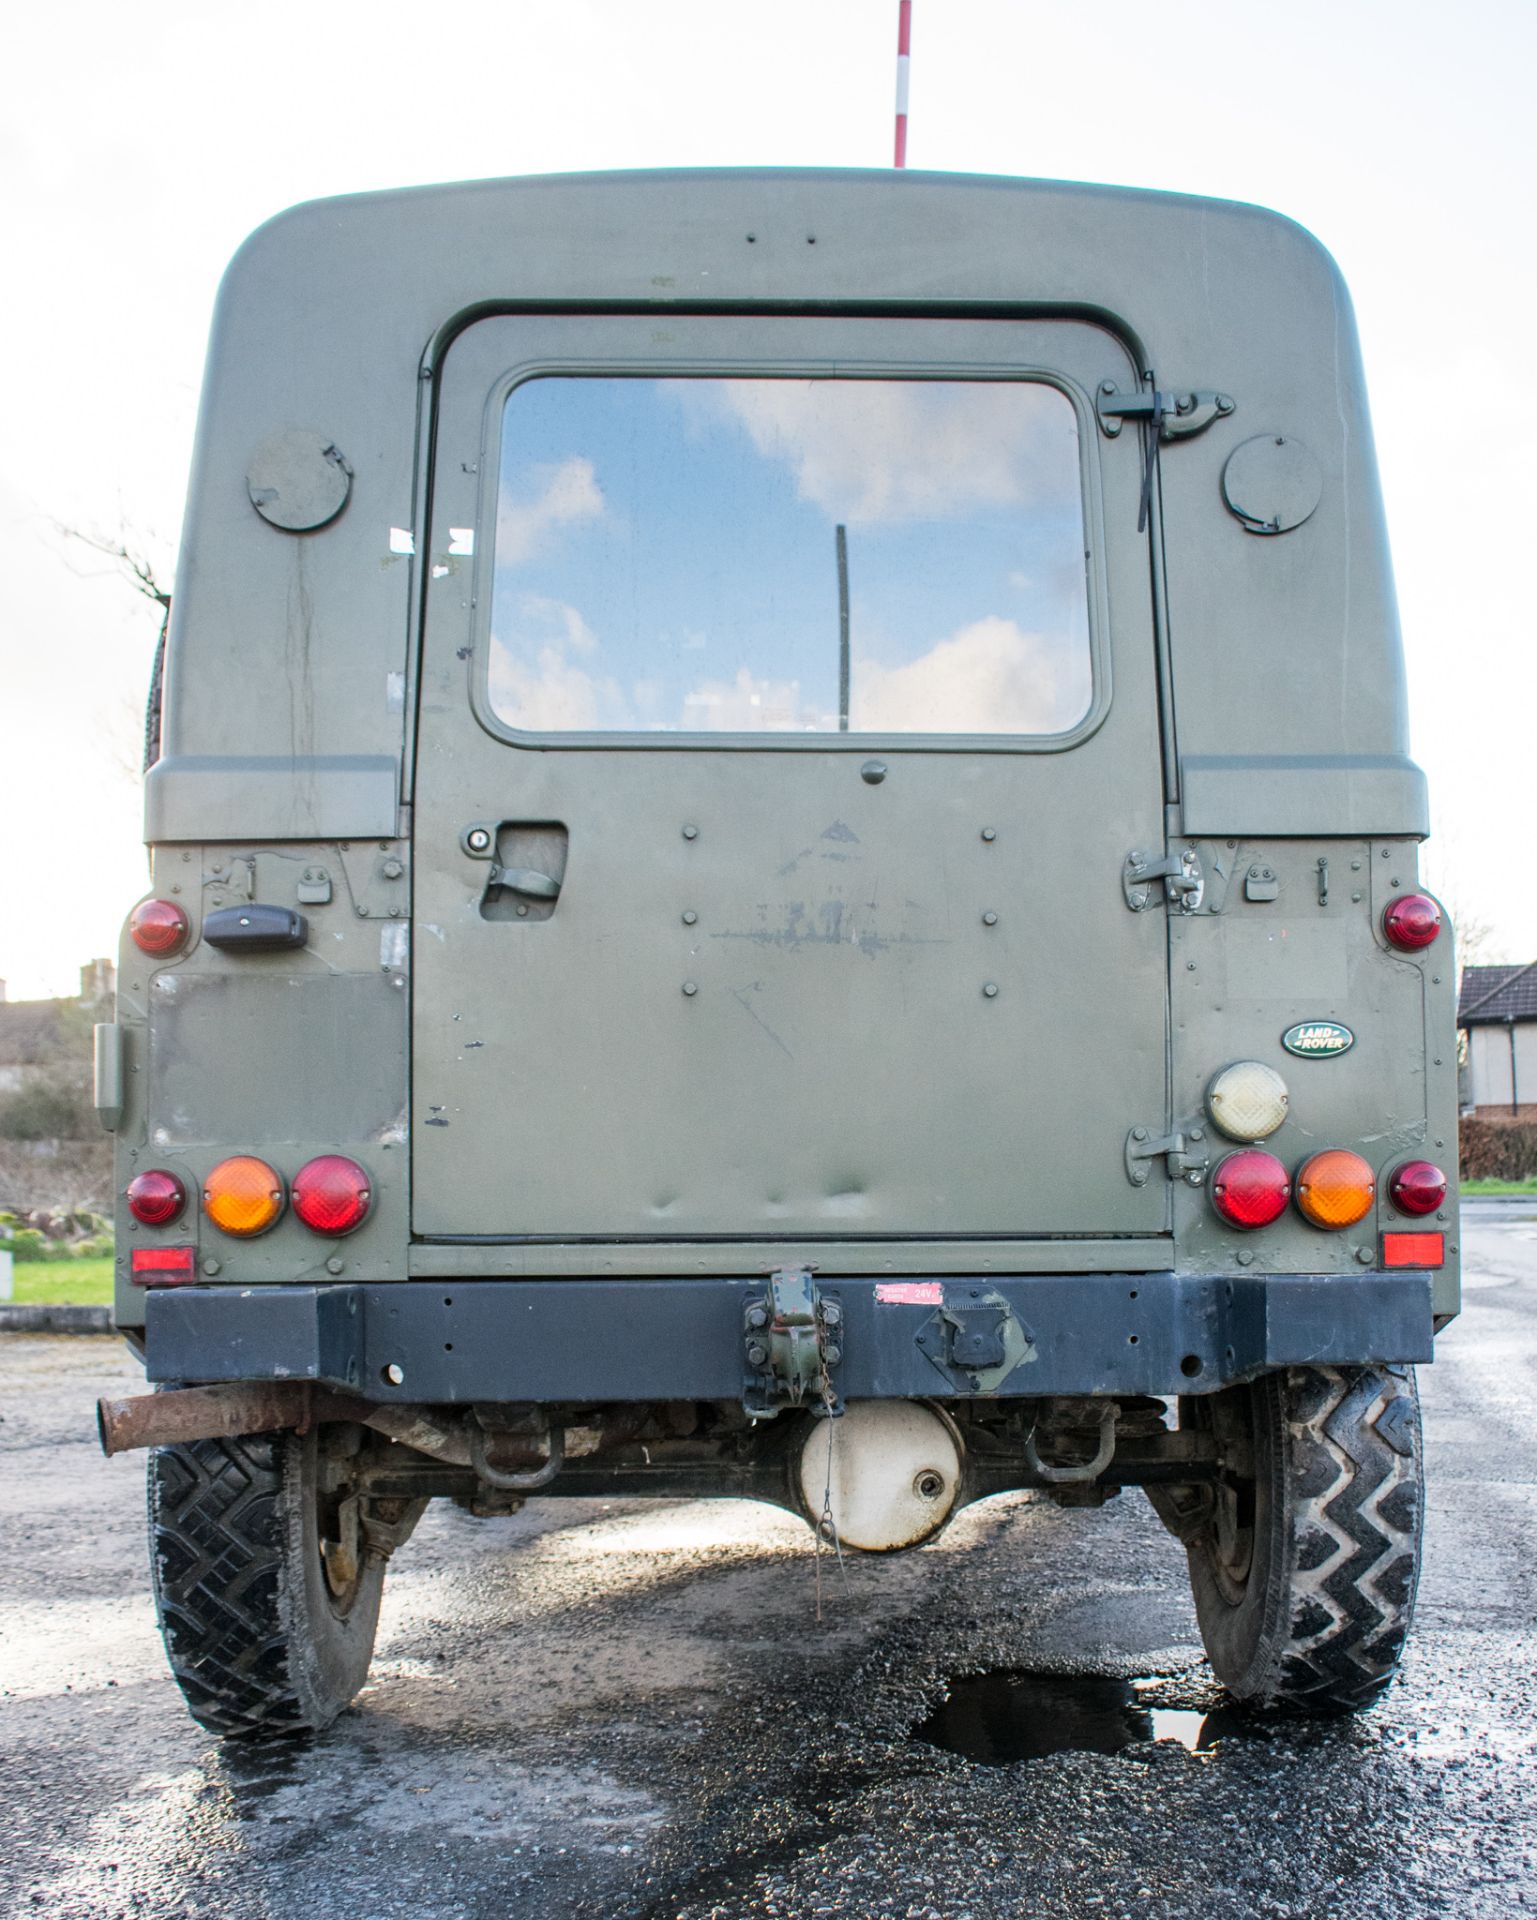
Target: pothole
x=997, y=1719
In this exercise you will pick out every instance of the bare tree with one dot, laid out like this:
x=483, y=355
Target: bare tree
x=133, y=564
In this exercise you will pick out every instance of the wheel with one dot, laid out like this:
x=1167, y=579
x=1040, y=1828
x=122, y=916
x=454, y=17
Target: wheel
x=267, y=1575
x=1305, y=1562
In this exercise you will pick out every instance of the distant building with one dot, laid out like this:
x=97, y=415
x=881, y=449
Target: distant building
x=98, y=982
x=1497, y=1019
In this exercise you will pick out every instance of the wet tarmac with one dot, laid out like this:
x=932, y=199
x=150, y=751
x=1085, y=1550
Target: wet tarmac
x=632, y=1711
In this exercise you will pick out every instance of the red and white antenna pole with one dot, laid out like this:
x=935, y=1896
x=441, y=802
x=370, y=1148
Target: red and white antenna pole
x=904, y=49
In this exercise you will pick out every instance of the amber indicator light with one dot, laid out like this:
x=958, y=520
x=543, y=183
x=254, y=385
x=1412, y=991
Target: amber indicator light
x=158, y=927
x=163, y=1266
x=243, y=1196
x=1414, y=1249
x=1335, y=1188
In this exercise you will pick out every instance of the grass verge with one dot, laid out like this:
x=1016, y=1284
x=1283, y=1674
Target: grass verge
x=64, y=1283
x=1492, y=1188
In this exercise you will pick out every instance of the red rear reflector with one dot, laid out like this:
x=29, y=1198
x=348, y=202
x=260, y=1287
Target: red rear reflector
x=1414, y=1249
x=155, y=1197
x=1412, y=922
x=158, y=927
x=164, y=1266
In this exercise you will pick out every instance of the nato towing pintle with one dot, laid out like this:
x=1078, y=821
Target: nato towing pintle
x=791, y=1347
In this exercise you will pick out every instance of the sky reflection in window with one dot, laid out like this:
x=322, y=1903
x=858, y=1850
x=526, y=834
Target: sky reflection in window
x=666, y=557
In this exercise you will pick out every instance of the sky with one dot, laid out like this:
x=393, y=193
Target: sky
x=139, y=145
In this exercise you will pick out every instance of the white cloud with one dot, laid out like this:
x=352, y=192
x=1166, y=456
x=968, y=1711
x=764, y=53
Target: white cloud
x=879, y=452
x=989, y=677
x=750, y=705
x=535, y=685
x=568, y=493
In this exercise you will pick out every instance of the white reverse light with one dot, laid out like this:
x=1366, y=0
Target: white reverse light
x=1247, y=1101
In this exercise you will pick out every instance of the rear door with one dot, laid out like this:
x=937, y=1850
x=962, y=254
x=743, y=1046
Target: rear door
x=788, y=709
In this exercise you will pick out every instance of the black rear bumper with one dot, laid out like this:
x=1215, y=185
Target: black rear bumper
x=591, y=1341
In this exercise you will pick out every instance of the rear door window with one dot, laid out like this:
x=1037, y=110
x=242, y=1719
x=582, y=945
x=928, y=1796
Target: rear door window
x=705, y=555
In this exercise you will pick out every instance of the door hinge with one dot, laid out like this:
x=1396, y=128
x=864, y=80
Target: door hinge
x=1184, y=1155
x=1172, y=416
x=1184, y=880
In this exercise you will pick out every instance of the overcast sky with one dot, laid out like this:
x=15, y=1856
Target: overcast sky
x=139, y=144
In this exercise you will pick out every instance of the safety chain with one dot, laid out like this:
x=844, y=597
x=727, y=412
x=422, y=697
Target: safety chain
x=827, y=1526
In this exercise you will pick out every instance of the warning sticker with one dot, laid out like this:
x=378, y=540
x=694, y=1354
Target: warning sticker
x=910, y=1293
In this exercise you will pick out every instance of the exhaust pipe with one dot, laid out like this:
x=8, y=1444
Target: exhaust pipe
x=184, y=1414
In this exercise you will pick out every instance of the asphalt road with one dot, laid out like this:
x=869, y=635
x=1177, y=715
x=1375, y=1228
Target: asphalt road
x=633, y=1711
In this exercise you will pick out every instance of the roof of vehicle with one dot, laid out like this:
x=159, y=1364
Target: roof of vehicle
x=334, y=318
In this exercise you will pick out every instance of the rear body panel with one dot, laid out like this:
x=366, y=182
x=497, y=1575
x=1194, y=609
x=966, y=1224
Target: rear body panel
x=811, y=1070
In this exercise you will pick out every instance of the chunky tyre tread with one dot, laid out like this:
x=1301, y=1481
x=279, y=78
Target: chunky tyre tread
x=1358, y=1534
x=220, y=1557
x=1320, y=1619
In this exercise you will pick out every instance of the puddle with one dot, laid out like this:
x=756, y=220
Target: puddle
x=996, y=1719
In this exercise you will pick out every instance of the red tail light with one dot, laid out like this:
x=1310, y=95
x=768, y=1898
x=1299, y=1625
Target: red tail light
x=1250, y=1189
x=332, y=1194
x=1412, y=922
x=1417, y=1187
x=156, y=1198
x=158, y=927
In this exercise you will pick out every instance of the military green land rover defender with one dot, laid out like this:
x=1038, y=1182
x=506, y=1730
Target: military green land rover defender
x=784, y=865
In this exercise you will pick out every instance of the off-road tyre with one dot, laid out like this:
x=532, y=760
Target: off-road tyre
x=259, y=1642
x=1305, y=1572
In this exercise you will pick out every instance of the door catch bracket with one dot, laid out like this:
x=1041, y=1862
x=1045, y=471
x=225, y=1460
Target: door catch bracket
x=1184, y=881
x=1184, y=1155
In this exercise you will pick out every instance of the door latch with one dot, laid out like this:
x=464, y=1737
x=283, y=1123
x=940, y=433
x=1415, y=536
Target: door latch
x=1172, y=416
x=524, y=880
x=1184, y=880
x=1184, y=1155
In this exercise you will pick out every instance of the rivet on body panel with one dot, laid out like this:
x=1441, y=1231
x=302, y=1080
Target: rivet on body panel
x=990, y=990
x=690, y=918
x=690, y=988
x=210, y=1266
x=873, y=772
x=691, y=832
x=989, y=833
x=989, y=919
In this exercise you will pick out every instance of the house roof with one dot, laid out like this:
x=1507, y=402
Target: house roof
x=1493, y=995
